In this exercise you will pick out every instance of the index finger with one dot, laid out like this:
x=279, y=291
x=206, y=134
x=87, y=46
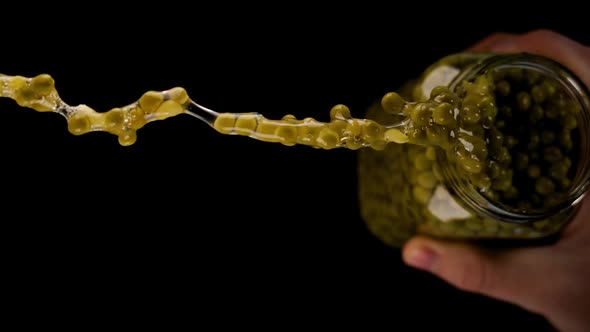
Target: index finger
x=568, y=52
x=487, y=44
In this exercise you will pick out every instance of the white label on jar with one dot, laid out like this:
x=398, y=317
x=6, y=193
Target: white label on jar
x=442, y=75
x=443, y=206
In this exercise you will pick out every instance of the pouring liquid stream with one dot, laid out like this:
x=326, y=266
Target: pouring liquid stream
x=461, y=123
x=39, y=93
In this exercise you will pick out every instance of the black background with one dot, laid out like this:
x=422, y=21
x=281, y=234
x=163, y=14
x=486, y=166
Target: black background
x=212, y=228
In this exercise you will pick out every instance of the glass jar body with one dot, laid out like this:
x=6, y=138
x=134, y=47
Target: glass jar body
x=409, y=189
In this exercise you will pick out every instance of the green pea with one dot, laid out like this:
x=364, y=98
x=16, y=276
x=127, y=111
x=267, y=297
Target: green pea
x=538, y=94
x=503, y=88
x=440, y=90
x=427, y=180
x=565, y=140
x=421, y=163
x=511, y=193
x=502, y=184
x=371, y=131
x=506, y=173
x=544, y=185
x=392, y=103
x=510, y=141
x=536, y=114
x=569, y=122
x=473, y=130
x=420, y=115
x=444, y=114
x=534, y=140
x=495, y=138
x=551, y=113
x=416, y=134
x=481, y=87
x=494, y=169
x=552, y=154
x=487, y=104
x=437, y=172
x=470, y=114
x=340, y=112
x=481, y=181
x=532, y=77
x=442, y=94
x=548, y=88
x=534, y=171
x=560, y=102
x=327, y=139
x=491, y=195
x=422, y=195
x=430, y=153
x=412, y=176
x=475, y=145
x=503, y=156
x=558, y=170
x=470, y=165
x=523, y=101
x=439, y=135
x=414, y=151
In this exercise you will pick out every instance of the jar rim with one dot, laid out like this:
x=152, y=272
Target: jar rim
x=578, y=92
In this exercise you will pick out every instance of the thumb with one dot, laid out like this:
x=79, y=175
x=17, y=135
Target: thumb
x=506, y=275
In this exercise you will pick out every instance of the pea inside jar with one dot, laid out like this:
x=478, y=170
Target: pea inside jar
x=499, y=149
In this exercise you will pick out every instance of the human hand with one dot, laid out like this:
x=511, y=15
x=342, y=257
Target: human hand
x=550, y=280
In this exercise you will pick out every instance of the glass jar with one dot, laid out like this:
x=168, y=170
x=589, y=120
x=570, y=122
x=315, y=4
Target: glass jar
x=537, y=149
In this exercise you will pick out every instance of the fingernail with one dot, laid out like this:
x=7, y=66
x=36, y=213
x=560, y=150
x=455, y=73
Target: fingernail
x=421, y=258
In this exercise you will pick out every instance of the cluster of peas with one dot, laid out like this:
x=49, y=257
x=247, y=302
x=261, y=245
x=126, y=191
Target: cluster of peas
x=341, y=131
x=509, y=132
x=512, y=134
x=39, y=93
x=532, y=141
x=126, y=121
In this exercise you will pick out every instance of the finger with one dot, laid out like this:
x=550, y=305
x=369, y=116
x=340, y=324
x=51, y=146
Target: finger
x=511, y=276
x=487, y=44
x=568, y=52
x=577, y=233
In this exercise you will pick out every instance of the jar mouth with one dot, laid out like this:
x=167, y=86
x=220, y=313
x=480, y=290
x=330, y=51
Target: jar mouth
x=577, y=93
